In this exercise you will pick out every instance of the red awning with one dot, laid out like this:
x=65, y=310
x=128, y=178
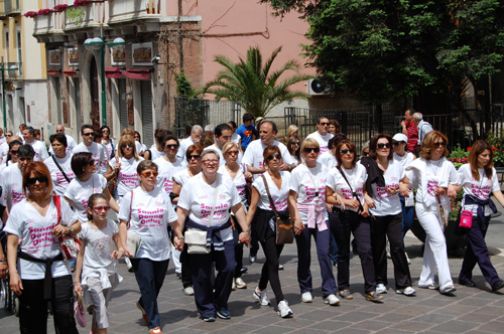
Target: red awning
x=53, y=73
x=138, y=73
x=113, y=72
x=70, y=72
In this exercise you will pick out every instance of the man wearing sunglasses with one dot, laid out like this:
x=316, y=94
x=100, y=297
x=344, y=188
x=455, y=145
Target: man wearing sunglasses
x=322, y=136
x=89, y=145
x=12, y=177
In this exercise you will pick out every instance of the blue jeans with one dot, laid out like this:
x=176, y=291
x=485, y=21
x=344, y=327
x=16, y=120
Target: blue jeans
x=150, y=276
x=408, y=214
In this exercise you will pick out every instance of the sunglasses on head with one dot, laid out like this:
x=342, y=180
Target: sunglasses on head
x=32, y=180
x=311, y=149
x=274, y=156
x=383, y=145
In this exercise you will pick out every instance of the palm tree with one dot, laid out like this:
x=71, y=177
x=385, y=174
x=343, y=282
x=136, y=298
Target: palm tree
x=250, y=82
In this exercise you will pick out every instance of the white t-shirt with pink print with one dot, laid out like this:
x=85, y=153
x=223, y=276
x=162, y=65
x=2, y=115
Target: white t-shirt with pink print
x=279, y=195
x=166, y=171
x=481, y=188
x=79, y=191
x=12, y=186
x=386, y=203
x=356, y=176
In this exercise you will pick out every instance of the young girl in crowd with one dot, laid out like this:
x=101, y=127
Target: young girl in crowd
x=95, y=272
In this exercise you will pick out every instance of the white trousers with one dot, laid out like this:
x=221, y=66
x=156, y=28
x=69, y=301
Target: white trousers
x=435, y=257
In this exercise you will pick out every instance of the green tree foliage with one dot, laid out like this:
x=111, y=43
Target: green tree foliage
x=252, y=82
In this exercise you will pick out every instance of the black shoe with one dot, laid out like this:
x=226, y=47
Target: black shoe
x=209, y=318
x=467, y=282
x=450, y=291
x=243, y=270
x=223, y=313
x=498, y=287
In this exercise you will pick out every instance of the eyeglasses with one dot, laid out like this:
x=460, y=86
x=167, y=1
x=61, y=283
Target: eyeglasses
x=194, y=156
x=383, y=145
x=232, y=152
x=32, y=180
x=210, y=162
x=149, y=174
x=101, y=208
x=85, y=134
x=171, y=146
x=274, y=156
x=311, y=149
x=345, y=151
x=92, y=163
x=439, y=144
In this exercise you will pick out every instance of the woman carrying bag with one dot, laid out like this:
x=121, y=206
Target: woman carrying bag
x=269, y=199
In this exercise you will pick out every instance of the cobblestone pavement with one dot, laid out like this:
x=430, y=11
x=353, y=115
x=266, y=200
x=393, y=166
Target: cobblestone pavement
x=473, y=310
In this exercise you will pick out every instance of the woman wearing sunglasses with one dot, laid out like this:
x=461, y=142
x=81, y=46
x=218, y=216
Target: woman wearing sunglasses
x=345, y=190
x=12, y=154
x=32, y=245
x=230, y=151
x=382, y=197
x=86, y=183
x=147, y=211
x=307, y=197
x=205, y=203
x=95, y=274
x=435, y=180
x=122, y=168
x=262, y=219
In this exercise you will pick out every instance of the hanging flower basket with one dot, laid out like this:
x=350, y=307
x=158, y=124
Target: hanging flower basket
x=60, y=8
x=30, y=13
x=44, y=11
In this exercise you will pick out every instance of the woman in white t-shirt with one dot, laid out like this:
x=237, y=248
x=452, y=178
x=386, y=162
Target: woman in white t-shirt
x=382, y=196
x=262, y=219
x=34, y=227
x=147, y=211
x=95, y=272
x=122, y=169
x=435, y=180
x=345, y=191
x=193, y=157
x=108, y=142
x=479, y=181
x=59, y=163
x=169, y=164
x=307, y=197
x=86, y=183
x=209, y=209
x=239, y=175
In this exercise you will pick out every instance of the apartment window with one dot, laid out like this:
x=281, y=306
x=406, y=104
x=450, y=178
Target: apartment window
x=19, y=53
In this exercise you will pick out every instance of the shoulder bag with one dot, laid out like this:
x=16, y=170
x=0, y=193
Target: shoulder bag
x=284, y=228
x=196, y=239
x=61, y=169
x=354, y=194
x=70, y=245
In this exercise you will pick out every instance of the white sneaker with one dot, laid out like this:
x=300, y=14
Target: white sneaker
x=189, y=291
x=332, y=300
x=284, y=310
x=407, y=291
x=261, y=297
x=306, y=297
x=240, y=283
x=381, y=288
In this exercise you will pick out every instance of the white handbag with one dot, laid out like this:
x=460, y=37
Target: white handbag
x=196, y=241
x=133, y=242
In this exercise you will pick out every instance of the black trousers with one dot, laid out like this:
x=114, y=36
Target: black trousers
x=269, y=271
x=33, y=307
x=350, y=222
x=383, y=228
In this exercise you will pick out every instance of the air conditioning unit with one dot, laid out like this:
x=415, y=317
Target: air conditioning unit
x=317, y=86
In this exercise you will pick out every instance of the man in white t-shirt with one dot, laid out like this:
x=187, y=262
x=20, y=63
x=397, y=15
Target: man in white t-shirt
x=321, y=135
x=88, y=145
x=194, y=138
x=3, y=139
x=253, y=156
x=11, y=178
x=60, y=128
x=38, y=146
x=222, y=134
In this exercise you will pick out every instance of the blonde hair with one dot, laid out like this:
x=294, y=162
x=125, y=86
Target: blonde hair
x=291, y=130
x=228, y=146
x=127, y=140
x=309, y=142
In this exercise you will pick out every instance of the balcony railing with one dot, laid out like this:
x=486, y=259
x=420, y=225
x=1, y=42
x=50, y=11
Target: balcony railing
x=12, y=7
x=13, y=71
x=131, y=10
x=51, y=23
x=86, y=16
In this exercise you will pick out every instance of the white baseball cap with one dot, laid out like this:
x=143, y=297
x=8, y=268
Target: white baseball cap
x=400, y=137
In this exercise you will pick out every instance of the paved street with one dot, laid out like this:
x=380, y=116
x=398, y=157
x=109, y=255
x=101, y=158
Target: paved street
x=472, y=311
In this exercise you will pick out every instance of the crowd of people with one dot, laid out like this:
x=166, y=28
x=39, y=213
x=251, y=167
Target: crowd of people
x=200, y=199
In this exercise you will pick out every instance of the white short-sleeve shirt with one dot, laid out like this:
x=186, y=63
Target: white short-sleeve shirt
x=385, y=203
x=356, y=176
x=280, y=196
x=40, y=150
x=150, y=214
x=12, y=185
x=35, y=233
x=98, y=153
x=182, y=176
x=309, y=184
x=166, y=171
x=253, y=155
x=323, y=140
x=79, y=191
x=239, y=181
x=127, y=179
x=60, y=183
x=217, y=198
x=481, y=188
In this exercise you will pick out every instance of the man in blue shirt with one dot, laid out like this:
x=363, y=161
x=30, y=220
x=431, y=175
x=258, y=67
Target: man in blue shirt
x=247, y=131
